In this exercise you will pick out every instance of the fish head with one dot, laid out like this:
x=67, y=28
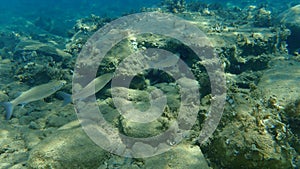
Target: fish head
x=59, y=85
x=62, y=83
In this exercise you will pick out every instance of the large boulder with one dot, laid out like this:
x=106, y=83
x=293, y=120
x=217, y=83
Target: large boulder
x=291, y=18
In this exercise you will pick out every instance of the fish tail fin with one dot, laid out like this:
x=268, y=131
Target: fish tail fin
x=8, y=108
x=67, y=97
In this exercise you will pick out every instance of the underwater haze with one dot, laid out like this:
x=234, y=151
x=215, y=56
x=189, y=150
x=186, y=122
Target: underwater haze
x=66, y=12
x=132, y=84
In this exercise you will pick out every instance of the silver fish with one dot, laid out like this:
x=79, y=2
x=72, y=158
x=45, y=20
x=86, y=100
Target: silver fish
x=33, y=94
x=93, y=87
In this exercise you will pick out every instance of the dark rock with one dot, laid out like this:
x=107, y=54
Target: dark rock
x=291, y=19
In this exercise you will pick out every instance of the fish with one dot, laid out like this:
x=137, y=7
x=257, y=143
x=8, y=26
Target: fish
x=33, y=94
x=91, y=88
x=94, y=86
x=168, y=61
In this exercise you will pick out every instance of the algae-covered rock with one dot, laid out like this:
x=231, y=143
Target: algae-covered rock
x=25, y=46
x=292, y=111
x=70, y=148
x=82, y=30
x=5, y=71
x=236, y=148
x=8, y=40
x=263, y=18
x=176, y=6
x=38, y=62
x=141, y=110
x=56, y=121
x=172, y=93
x=251, y=138
x=140, y=130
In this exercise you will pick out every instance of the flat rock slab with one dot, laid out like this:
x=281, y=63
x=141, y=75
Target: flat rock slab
x=70, y=148
x=181, y=156
x=282, y=80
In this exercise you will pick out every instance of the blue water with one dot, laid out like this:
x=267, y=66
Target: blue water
x=68, y=11
x=78, y=8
